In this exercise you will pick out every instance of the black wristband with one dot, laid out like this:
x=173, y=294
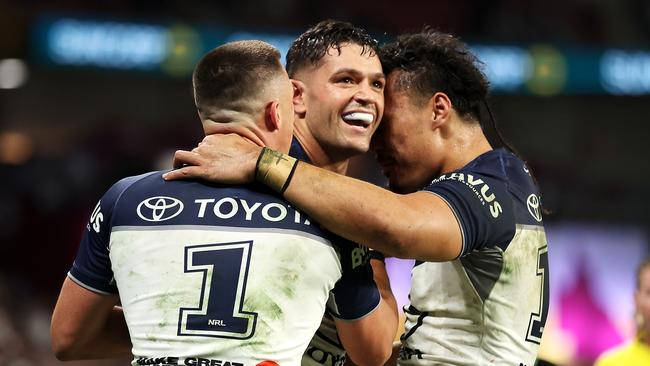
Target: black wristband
x=286, y=184
x=257, y=163
x=375, y=254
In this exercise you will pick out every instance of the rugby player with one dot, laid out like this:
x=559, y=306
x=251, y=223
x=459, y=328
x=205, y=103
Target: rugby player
x=339, y=83
x=209, y=274
x=468, y=214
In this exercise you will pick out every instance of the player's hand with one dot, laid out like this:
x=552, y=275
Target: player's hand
x=219, y=158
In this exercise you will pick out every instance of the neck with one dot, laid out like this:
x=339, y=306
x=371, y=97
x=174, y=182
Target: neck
x=234, y=122
x=465, y=144
x=316, y=153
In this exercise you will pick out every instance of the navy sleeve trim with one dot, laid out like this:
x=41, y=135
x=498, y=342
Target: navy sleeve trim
x=463, y=247
x=360, y=317
x=89, y=288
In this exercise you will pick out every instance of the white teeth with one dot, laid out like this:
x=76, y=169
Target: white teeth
x=359, y=116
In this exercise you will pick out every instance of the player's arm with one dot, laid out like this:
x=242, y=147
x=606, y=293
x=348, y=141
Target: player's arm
x=88, y=325
x=420, y=225
x=368, y=341
x=380, y=276
x=392, y=360
x=378, y=262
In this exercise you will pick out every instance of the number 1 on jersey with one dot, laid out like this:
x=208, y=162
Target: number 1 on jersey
x=225, y=272
x=537, y=320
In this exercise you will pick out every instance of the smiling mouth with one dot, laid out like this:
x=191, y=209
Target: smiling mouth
x=360, y=119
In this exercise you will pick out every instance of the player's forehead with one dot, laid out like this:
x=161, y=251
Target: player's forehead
x=350, y=56
x=400, y=90
x=396, y=88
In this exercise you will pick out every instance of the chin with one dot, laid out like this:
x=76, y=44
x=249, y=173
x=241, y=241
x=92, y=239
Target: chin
x=355, y=149
x=361, y=147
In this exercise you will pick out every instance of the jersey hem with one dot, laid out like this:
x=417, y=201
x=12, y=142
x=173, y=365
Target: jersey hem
x=87, y=287
x=359, y=318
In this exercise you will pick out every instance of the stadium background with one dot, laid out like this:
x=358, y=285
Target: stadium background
x=91, y=91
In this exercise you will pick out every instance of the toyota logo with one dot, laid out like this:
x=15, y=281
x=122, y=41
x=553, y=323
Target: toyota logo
x=533, y=207
x=160, y=208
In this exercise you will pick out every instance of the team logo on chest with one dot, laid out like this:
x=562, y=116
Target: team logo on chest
x=159, y=208
x=533, y=207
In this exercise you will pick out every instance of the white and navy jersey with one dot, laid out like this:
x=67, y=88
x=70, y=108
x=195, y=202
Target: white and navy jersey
x=489, y=306
x=216, y=275
x=325, y=348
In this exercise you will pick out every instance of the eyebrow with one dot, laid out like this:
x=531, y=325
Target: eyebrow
x=347, y=70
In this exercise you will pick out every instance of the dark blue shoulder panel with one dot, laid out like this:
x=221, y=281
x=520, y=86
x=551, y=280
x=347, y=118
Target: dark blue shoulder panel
x=152, y=201
x=489, y=197
x=92, y=267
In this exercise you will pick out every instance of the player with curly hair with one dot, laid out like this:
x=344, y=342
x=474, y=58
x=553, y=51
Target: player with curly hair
x=468, y=213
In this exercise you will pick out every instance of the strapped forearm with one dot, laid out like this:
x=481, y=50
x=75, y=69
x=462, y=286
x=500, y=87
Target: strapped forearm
x=419, y=225
x=275, y=169
x=341, y=204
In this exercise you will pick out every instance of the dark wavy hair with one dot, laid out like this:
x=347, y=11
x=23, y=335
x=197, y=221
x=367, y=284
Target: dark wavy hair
x=310, y=47
x=432, y=62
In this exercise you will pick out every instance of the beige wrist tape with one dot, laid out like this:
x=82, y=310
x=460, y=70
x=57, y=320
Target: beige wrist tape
x=275, y=169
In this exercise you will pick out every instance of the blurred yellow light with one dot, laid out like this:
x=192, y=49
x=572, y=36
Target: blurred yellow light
x=549, y=74
x=186, y=48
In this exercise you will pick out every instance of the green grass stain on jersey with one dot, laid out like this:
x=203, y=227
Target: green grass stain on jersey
x=264, y=305
x=520, y=254
x=293, y=266
x=280, y=286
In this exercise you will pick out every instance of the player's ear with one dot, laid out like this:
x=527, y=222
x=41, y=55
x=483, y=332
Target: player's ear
x=440, y=106
x=298, y=98
x=272, y=116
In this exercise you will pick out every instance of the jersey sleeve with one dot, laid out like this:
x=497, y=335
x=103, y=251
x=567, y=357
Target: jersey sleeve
x=482, y=206
x=92, y=266
x=355, y=295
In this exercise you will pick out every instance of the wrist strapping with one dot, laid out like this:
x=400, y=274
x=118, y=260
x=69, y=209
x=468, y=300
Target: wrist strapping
x=275, y=169
x=375, y=254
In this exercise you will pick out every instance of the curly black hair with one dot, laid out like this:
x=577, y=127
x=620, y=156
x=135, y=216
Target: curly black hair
x=433, y=62
x=310, y=47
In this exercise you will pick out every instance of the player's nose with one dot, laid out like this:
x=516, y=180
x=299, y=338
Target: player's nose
x=365, y=94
